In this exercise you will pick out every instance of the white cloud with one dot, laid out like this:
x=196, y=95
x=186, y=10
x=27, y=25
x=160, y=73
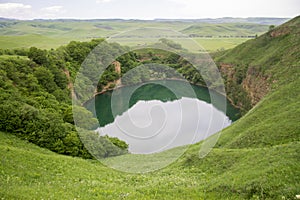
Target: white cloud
x=53, y=9
x=13, y=6
x=151, y=9
x=235, y=8
x=15, y=10
x=51, y=12
x=103, y=1
x=22, y=11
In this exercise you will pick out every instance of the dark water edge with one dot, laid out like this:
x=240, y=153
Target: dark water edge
x=155, y=90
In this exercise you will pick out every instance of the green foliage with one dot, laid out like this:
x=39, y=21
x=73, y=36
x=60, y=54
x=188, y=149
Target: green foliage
x=128, y=61
x=84, y=118
x=45, y=78
x=272, y=57
x=102, y=146
x=271, y=27
x=170, y=43
x=35, y=101
x=77, y=51
x=38, y=56
x=60, y=78
x=117, y=142
x=68, y=114
x=173, y=58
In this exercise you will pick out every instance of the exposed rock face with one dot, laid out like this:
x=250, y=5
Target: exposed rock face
x=227, y=70
x=280, y=32
x=70, y=84
x=252, y=68
x=256, y=85
x=115, y=83
x=117, y=66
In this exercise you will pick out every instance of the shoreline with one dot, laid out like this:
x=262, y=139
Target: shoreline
x=167, y=79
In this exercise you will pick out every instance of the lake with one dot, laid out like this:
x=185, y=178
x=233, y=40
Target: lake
x=159, y=115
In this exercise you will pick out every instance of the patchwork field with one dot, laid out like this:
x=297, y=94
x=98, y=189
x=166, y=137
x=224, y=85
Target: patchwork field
x=49, y=34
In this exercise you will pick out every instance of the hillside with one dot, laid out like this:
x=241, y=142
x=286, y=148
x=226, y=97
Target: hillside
x=47, y=34
x=268, y=65
x=261, y=65
x=29, y=172
x=35, y=102
x=225, y=30
x=255, y=158
x=101, y=27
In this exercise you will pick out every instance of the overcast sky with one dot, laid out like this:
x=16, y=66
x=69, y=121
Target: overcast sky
x=147, y=9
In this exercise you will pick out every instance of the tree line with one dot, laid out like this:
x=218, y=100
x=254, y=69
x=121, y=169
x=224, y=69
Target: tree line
x=35, y=101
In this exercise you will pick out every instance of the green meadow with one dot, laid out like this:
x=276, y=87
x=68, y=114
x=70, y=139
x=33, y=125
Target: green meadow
x=52, y=34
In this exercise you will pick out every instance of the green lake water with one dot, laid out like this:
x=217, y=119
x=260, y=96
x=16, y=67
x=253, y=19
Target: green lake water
x=155, y=116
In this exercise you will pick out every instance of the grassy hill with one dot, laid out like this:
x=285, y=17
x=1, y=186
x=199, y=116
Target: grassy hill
x=29, y=172
x=101, y=28
x=226, y=29
x=49, y=34
x=255, y=158
x=261, y=65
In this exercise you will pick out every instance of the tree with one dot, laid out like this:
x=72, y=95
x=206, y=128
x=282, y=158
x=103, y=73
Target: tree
x=117, y=142
x=271, y=27
x=173, y=58
x=59, y=78
x=38, y=56
x=45, y=78
x=170, y=43
x=84, y=118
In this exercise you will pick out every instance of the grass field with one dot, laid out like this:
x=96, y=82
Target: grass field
x=225, y=29
x=102, y=28
x=192, y=44
x=29, y=172
x=52, y=34
x=215, y=44
x=26, y=41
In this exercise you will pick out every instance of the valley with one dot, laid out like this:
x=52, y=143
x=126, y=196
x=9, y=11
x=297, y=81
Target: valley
x=43, y=155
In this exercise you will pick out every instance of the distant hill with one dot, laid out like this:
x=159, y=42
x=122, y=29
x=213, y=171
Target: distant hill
x=255, y=20
x=17, y=33
x=225, y=30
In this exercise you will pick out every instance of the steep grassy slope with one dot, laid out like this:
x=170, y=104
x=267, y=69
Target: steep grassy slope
x=255, y=158
x=254, y=68
x=273, y=121
x=270, y=65
x=29, y=172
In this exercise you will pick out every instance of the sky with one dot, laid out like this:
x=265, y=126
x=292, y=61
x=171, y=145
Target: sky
x=147, y=9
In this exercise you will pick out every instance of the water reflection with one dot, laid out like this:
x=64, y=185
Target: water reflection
x=154, y=126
